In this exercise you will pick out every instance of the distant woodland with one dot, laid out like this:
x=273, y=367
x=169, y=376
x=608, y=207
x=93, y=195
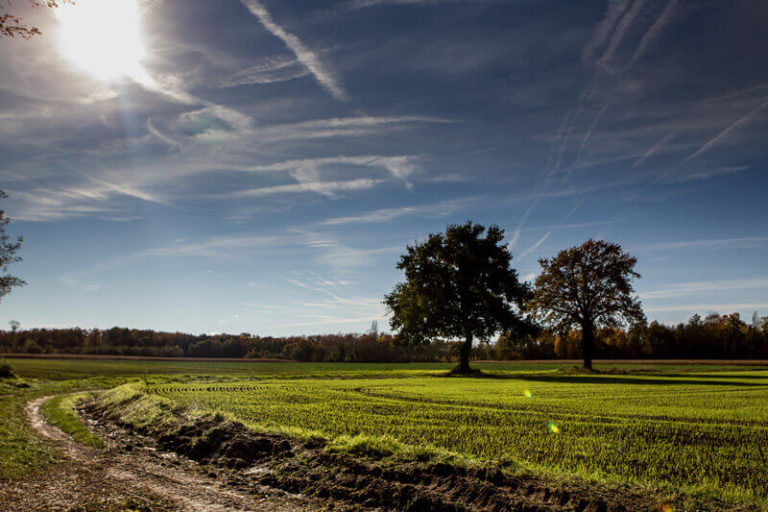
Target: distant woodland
x=713, y=336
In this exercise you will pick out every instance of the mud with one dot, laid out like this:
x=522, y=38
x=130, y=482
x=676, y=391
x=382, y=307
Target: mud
x=127, y=476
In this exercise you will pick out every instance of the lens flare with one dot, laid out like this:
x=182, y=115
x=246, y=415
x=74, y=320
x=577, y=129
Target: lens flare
x=528, y=393
x=552, y=427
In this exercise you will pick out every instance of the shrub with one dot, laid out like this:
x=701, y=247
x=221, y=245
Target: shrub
x=6, y=371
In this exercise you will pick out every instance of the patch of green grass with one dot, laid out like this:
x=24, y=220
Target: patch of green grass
x=60, y=411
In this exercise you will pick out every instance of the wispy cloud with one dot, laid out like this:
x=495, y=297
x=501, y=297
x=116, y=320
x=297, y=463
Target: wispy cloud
x=516, y=233
x=387, y=214
x=716, y=243
x=655, y=29
x=655, y=148
x=342, y=127
x=604, y=29
x=400, y=167
x=621, y=29
x=706, y=308
x=696, y=287
x=303, y=54
x=269, y=71
x=325, y=188
x=723, y=134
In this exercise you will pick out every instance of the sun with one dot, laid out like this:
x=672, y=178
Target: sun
x=102, y=37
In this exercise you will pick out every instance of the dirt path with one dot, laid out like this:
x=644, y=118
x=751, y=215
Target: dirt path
x=119, y=478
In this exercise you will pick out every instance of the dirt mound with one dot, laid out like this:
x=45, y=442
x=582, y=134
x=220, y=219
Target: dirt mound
x=374, y=483
x=225, y=443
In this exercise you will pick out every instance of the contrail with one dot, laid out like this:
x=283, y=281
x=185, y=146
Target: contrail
x=717, y=138
x=534, y=246
x=303, y=54
x=652, y=151
x=585, y=140
x=604, y=29
x=653, y=31
x=621, y=29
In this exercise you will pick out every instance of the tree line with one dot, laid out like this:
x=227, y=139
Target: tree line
x=712, y=336
x=118, y=341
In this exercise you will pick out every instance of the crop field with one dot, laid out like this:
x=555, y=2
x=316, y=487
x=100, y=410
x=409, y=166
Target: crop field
x=700, y=432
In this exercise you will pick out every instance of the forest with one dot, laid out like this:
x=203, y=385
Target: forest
x=710, y=337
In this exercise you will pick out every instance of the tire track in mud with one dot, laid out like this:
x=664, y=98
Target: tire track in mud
x=135, y=473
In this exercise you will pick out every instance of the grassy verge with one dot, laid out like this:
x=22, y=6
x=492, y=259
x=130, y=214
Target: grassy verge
x=60, y=411
x=22, y=451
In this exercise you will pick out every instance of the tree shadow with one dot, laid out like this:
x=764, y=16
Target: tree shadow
x=619, y=379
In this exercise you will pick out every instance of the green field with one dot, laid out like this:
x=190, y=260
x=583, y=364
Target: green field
x=698, y=430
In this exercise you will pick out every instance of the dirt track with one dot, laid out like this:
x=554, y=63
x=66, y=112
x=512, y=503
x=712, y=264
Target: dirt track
x=141, y=479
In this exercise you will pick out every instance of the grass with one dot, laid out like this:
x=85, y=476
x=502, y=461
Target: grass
x=699, y=432
x=60, y=411
x=692, y=431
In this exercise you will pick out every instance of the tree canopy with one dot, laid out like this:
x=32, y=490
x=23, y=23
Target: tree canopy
x=8, y=249
x=459, y=284
x=587, y=286
x=11, y=25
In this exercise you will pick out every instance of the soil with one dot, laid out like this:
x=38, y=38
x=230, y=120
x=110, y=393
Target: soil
x=127, y=477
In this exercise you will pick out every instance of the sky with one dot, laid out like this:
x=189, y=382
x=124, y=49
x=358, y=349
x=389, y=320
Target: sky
x=259, y=165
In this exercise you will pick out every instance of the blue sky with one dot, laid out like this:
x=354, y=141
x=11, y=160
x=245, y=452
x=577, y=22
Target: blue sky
x=266, y=162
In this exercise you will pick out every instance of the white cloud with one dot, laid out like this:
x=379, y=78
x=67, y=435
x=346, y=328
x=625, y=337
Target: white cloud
x=695, y=287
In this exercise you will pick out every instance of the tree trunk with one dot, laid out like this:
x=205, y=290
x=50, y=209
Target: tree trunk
x=466, y=351
x=587, y=343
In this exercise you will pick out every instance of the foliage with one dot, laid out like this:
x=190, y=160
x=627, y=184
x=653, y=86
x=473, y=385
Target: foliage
x=587, y=286
x=8, y=248
x=12, y=25
x=6, y=371
x=459, y=285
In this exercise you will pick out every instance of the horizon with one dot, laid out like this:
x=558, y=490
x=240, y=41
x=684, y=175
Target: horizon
x=265, y=177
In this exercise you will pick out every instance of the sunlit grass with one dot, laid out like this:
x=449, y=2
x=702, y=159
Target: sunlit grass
x=696, y=431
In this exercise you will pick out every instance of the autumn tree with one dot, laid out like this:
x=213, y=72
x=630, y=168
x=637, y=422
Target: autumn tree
x=11, y=25
x=8, y=249
x=587, y=287
x=459, y=284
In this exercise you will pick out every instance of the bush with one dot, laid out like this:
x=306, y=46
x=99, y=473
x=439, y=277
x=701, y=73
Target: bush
x=6, y=371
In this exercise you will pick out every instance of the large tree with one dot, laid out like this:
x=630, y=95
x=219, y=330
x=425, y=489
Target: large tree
x=8, y=249
x=587, y=287
x=459, y=284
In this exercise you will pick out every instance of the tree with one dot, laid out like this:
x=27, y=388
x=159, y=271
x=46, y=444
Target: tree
x=587, y=287
x=15, y=324
x=458, y=285
x=11, y=25
x=8, y=248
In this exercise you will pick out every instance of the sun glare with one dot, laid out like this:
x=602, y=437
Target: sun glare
x=102, y=37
